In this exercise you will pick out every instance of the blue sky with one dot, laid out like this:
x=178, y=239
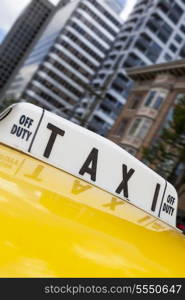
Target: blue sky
x=2, y=34
x=10, y=9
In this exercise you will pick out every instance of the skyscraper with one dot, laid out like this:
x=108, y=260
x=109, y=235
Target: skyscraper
x=21, y=37
x=116, y=5
x=70, y=51
x=154, y=33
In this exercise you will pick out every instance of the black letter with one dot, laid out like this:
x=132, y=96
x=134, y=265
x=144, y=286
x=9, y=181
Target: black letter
x=156, y=194
x=22, y=119
x=165, y=207
x=92, y=158
x=124, y=184
x=55, y=130
x=14, y=129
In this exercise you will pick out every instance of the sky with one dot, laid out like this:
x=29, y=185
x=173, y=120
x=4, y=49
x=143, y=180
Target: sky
x=10, y=9
x=128, y=9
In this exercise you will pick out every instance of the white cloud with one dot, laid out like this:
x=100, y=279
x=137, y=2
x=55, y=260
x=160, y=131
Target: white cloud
x=128, y=8
x=10, y=10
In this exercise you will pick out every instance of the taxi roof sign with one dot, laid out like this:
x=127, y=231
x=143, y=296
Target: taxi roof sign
x=88, y=156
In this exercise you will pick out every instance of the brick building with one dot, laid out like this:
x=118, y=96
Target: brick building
x=149, y=106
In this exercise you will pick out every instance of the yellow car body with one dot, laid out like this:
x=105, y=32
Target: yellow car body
x=56, y=225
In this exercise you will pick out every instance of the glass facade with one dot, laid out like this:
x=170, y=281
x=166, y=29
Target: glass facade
x=64, y=60
x=21, y=38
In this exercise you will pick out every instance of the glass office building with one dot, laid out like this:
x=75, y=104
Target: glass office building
x=21, y=37
x=71, y=50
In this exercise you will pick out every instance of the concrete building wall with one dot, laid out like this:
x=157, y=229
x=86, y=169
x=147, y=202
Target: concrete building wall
x=149, y=106
x=67, y=56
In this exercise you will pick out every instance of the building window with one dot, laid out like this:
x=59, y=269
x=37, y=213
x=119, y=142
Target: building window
x=173, y=48
x=154, y=99
x=164, y=32
x=95, y=17
x=182, y=28
x=119, y=83
x=93, y=27
x=140, y=127
x=135, y=126
x=132, y=60
x=102, y=75
x=105, y=12
x=158, y=102
x=113, y=56
x=150, y=98
x=175, y=13
x=167, y=57
x=148, y=47
x=88, y=37
x=161, y=29
x=153, y=52
x=142, y=132
x=178, y=38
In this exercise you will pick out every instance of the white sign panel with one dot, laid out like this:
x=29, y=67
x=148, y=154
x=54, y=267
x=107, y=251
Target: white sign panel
x=88, y=156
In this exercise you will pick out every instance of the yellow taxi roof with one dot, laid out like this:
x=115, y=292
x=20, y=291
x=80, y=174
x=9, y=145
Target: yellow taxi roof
x=56, y=225
x=88, y=156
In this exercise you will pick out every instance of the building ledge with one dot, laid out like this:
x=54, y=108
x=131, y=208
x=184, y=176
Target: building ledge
x=132, y=141
x=147, y=112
